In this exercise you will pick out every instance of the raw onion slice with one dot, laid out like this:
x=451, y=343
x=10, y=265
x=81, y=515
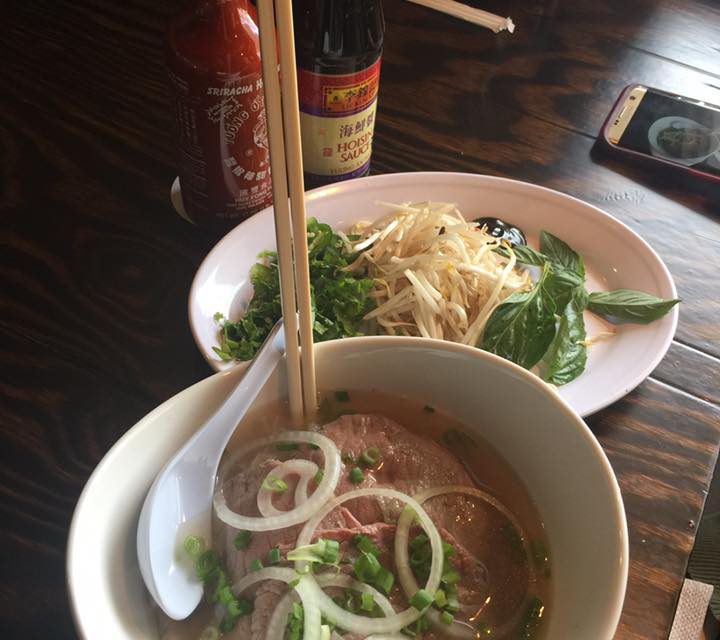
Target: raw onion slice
x=408, y=583
x=305, y=469
x=301, y=513
x=278, y=620
x=360, y=624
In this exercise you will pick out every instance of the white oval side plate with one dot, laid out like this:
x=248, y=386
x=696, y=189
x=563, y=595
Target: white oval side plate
x=615, y=257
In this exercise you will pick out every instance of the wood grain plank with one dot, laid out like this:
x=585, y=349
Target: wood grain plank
x=663, y=447
x=692, y=371
x=682, y=31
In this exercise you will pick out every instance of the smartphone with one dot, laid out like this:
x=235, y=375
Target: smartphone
x=666, y=128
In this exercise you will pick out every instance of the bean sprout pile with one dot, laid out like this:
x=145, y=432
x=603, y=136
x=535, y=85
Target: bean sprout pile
x=435, y=274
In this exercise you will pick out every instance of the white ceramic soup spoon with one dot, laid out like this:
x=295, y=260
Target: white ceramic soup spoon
x=179, y=502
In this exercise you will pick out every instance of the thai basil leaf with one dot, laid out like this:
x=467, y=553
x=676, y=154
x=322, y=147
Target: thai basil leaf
x=567, y=356
x=629, y=306
x=563, y=284
x=560, y=254
x=522, y=327
x=524, y=255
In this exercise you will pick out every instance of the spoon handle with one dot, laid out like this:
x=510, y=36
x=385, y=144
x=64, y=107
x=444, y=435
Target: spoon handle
x=223, y=424
x=204, y=450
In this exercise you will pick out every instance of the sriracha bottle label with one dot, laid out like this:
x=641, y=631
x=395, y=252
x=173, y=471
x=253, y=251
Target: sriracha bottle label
x=337, y=120
x=224, y=157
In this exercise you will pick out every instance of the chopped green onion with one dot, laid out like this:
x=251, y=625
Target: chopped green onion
x=342, y=396
x=295, y=625
x=452, y=604
x=420, y=626
x=356, y=475
x=239, y=608
x=363, y=543
x=242, y=540
x=227, y=625
x=446, y=617
x=450, y=576
x=440, y=598
x=323, y=551
x=331, y=552
x=370, y=457
x=274, y=556
x=256, y=565
x=384, y=580
x=294, y=583
x=366, y=567
x=421, y=559
x=225, y=596
x=287, y=446
x=319, y=476
x=274, y=484
x=349, y=458
x=194, y=546
x=367, y=601
x=428, y=409
x=421, y=600
x=207, y=564
x=418, y=541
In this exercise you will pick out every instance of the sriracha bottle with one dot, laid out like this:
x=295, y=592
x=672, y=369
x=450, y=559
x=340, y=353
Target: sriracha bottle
x=338, y=46
x=213, y=54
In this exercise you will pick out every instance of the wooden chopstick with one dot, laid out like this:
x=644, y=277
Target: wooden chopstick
x=281, y=209
x=469, y=14
x=293, y=156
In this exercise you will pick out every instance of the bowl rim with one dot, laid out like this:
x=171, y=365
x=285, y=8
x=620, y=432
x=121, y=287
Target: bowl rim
x=361, y=343
x=360, y=184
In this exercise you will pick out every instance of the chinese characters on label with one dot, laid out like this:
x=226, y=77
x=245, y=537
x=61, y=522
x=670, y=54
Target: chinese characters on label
x=337, y=120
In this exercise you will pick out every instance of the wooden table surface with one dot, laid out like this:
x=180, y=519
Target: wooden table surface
x=96, y=267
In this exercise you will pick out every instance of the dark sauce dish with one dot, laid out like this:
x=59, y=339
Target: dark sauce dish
x=502, y=230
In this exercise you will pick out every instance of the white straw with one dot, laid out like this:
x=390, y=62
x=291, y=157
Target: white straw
x=469, y=14
x=293, y=155
x=283, y=234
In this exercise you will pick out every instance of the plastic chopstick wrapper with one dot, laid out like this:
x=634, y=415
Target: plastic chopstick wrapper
x=470, y=14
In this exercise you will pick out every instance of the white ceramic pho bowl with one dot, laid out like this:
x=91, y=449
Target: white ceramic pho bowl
x=549, y=446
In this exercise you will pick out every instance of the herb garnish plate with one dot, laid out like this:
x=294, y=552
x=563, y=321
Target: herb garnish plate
x=615, y=258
